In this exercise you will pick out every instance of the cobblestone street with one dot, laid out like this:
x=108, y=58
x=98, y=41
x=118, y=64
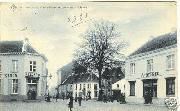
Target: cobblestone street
x=86, y=106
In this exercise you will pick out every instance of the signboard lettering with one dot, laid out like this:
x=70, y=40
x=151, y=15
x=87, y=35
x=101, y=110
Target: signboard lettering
x=150, y=74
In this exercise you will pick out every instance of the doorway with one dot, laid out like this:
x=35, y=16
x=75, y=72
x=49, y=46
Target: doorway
x=31, y=88
x=150, y=86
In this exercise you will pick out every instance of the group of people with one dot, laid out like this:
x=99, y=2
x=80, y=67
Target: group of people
x=111, y=98
x=147, y=97
x=70, y=102
x=31, y=94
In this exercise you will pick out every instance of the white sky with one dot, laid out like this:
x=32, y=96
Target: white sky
x=50, y=32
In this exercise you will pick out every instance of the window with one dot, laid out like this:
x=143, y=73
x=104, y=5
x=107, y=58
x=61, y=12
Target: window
x=170, y=61
x=150, y=65
x=0, y=66
x=33, y=66
x=89, y=85
x=76, y=87
x=117, y=85
x=80, y=87
x=170, y=86
x=150, y=87
x=95, y=86
x=15, y=65
x=95, y=94
x=132, y=68
x=132, y=88
x=71, y=87
x=14, y=86
x=0, y=86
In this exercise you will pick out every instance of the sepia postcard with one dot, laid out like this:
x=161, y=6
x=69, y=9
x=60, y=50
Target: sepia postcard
x=89, y=56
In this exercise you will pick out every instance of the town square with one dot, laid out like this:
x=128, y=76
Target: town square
x=84, y=57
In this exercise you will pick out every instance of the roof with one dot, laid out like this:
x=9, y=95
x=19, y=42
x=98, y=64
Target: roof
x=157, y=43
x=14, y=46
x=77, y=78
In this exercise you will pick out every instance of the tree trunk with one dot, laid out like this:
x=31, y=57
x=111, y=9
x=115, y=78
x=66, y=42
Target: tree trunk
x=100, y=86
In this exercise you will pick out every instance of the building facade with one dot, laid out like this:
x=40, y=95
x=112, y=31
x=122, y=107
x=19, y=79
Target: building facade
x=80, y=85
x=153, y=69
x=86, y=87
x=23, y=72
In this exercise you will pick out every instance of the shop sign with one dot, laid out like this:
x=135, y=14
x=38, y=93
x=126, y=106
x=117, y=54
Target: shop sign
x=32, y=74
x=8, y=75
x=150, y=74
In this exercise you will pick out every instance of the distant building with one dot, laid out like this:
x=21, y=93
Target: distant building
x=118, y=87
x=111, y=76
x=64, y=72
x=84, y=85
x=22, y=71
x=153, y=69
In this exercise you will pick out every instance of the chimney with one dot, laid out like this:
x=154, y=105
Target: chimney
x=25, y=43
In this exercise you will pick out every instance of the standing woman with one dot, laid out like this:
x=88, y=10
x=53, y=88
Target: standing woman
x=70, y=104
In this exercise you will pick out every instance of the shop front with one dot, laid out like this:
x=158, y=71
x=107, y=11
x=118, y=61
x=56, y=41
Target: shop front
x=149, y=90
x=32, y=85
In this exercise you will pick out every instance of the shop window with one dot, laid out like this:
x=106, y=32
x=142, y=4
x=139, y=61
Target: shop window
x=132, y=88
x=132, y=68
x=170, y=86
x=14, y=86
x=0, y=66
x=15, y=65
x=170, y=62
x=33, y=66
x=150, y=65
x=150, y=87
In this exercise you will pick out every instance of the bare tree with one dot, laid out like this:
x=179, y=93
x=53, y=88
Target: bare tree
x=100, y=47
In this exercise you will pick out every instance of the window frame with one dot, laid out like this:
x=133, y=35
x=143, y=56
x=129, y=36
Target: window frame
x=172, y=81
x=32, y=66
x=117, y=85
x=132, y=68
x=0, y=66
x=14, y=85
x=80, y=87
x=14, y=65
x=150, y=63
x=130, y=91
x=170, y=61
x=0, y=86
x=76, y=87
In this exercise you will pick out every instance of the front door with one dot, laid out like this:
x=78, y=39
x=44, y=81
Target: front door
x=32, y=88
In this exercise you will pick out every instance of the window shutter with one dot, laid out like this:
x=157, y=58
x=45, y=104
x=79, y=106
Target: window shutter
x=9, y=86
x=19, y=86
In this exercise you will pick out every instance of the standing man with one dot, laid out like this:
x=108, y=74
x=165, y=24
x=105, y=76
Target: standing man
x=70, y=104
x=57, y=96
x=79, y=100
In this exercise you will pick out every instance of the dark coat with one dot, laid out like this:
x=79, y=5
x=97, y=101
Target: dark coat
x=70, y=104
